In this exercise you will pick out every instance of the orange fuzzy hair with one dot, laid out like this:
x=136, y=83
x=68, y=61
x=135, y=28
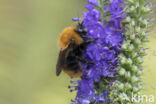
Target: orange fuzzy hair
x=73, y=74
x=67, y=35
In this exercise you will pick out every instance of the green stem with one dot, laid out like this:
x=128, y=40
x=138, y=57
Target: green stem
x=102, y=2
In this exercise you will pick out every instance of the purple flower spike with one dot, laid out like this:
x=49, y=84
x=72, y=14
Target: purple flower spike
x=94, y=85
x=94, y=2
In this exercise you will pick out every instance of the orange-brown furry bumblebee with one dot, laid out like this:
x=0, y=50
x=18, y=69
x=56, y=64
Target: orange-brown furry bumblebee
x=72, y=41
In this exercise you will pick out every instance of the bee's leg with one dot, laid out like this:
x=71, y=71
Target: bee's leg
x=84, y=61
x=89, y=63
x=90, y=40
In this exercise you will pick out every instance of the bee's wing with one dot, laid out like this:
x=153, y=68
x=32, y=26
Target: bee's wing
x=62, y=58
x=60, y=62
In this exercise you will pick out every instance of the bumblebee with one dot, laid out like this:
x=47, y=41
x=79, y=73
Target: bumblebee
x=72, y=42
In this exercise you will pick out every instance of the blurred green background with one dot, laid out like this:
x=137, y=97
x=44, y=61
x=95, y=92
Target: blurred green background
x=28, y=51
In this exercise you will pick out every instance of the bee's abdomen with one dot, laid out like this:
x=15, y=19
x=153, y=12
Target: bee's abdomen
x=73, y=68
x=73, y=74
x=72, y=63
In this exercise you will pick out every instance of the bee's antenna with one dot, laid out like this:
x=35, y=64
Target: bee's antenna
x=78, y=14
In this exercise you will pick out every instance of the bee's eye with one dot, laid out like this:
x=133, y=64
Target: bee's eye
x=80, y=29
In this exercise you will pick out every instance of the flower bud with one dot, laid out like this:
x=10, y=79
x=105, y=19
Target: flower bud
x=129, y=61
x=132, y=36
x=142, y=52
x=130, y=2
x=140, y=87
x=135, y=89
x=134, y=69
x=132, y=9
x=145, y=39
x=128, y=75
x=139, y=73
x=133, y=23
x=140, y=19
x=145, y=10
x=120, y=56
x=134, y=55
x=122, y=96
x=143, y=34
x=137, y=29
x=127, y=20
x=141, y=1
x=121, y=86
x=122, y=72
x=134, y=79
x=139, y=60
x=128, y=86
x=123, y=60
x=137, y=41
x=124, y=46
x=144, y=24
x=131, y=48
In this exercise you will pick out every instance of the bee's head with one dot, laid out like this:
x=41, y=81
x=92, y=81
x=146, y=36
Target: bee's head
x=81, y=30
